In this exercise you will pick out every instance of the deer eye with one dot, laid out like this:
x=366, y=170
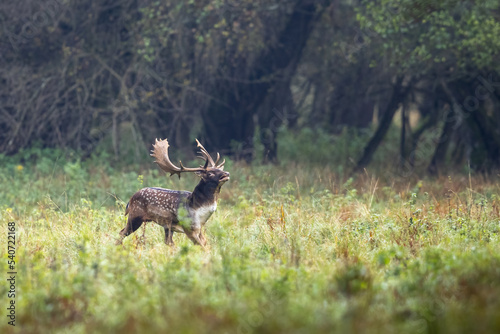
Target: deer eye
x=210, y=174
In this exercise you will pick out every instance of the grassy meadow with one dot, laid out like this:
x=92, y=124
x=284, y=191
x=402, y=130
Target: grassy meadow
x=296, y=248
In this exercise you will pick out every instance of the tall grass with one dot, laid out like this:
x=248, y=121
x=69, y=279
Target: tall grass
x=299, y=249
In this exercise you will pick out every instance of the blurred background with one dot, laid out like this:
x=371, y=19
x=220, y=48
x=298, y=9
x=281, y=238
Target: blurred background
x=413, y=85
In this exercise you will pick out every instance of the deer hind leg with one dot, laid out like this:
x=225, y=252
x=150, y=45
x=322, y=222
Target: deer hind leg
x=132, y=225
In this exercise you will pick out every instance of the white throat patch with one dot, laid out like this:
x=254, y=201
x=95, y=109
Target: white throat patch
x=201, y=215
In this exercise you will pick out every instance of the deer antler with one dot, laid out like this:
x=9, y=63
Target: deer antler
x=208, y=158
x=160, y=153
x=221, y=165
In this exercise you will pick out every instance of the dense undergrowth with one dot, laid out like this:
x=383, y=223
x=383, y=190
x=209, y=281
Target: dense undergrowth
x=297, y=248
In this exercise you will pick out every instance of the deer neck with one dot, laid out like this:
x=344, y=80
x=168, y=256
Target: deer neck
x=205, y=194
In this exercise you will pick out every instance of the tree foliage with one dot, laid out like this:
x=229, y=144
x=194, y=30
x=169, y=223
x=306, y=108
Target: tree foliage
x=451, y=37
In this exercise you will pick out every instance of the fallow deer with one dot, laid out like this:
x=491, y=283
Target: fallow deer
x=177, y=211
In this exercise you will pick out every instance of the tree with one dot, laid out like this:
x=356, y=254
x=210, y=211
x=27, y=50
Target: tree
x=449, y=41
x=239, y=98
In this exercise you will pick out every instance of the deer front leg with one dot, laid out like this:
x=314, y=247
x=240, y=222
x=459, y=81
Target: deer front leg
x=194, y=235
x=168, y=235
x=202, y=238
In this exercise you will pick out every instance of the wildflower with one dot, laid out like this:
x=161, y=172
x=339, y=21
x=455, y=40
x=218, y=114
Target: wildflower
x=19, y=167
x=8, y=210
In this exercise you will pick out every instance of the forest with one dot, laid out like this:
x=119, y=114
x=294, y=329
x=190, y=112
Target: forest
x=235, y=74
x=360, y=141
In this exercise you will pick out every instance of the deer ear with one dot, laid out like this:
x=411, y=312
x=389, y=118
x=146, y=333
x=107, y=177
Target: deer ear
x=199, y=173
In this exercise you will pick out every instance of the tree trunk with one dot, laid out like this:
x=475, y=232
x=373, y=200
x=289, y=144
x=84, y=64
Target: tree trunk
x=276, y=110
x=398, y=95
x=444, y=139
x=319, y=108
x=229, y=116
x=352, y=103
x=443, y=143
x=402, y=150
x=491, y=140
x=429, y=121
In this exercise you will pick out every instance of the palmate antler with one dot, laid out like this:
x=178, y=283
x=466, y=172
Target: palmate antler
x=160, y=153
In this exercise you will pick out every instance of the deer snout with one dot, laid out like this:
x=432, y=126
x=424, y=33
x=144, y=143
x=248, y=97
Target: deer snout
x=224, y=177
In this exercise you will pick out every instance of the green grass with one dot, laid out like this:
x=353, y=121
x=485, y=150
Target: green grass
x=291, y=250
